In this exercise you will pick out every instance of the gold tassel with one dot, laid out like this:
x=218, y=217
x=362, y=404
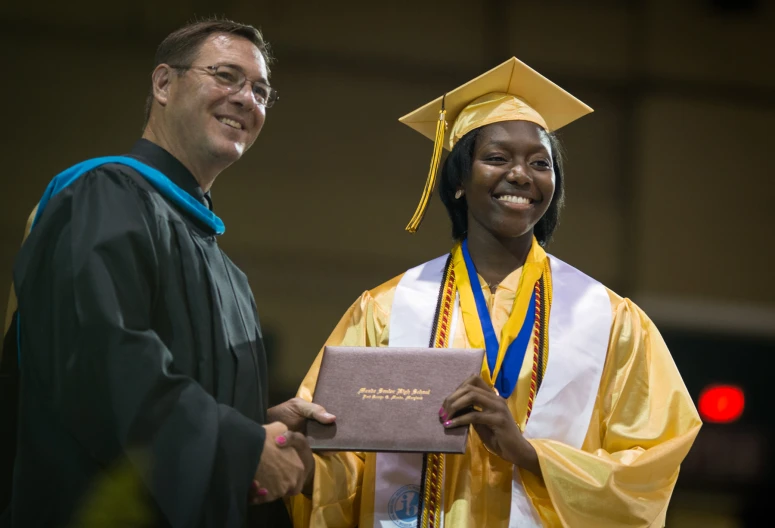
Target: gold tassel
x=438, y=145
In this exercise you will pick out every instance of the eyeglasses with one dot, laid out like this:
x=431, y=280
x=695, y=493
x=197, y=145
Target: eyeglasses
x=232, y=79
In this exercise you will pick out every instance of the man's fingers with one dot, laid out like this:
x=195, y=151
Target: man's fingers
x=258, y=493
x=275, y=428
x=282, y=472
x=261, y=496
x=292, y=439
x=298, y=442
x=323, y=417
x=262, y=499
x=313, y=411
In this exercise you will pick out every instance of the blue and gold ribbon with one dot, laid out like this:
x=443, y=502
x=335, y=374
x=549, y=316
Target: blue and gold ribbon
x=505, y=355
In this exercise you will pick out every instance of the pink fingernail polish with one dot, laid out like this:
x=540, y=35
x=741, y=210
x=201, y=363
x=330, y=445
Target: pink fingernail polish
x=263, y=491
x=447, y=423
x=281, y=440
x=441, y=411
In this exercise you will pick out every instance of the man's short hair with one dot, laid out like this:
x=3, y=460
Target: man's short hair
x=182, y=45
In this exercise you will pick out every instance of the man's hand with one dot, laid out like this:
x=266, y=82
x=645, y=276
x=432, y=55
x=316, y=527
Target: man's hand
x=280, y=472
x=289, y=442
x=295, y=412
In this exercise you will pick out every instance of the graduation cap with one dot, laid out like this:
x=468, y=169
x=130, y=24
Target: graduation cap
x=512, y=91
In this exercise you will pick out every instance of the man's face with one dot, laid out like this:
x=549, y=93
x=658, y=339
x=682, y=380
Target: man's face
x=206, y=120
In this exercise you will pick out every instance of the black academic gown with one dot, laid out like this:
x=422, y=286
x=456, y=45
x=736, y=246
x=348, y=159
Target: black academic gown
x=143, y=374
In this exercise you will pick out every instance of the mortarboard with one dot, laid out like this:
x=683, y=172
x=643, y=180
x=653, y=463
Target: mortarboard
x=511, y=91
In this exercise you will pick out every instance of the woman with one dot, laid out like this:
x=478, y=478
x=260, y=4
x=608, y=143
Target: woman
x=580, y=417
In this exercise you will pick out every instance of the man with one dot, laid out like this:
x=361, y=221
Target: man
x=143, y=375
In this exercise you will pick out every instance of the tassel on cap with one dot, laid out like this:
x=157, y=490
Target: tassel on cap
x=438, y=145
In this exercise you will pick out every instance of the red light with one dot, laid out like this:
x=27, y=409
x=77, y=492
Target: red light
x=721, y=403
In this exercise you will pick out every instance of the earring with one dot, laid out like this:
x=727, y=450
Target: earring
x=458, y=194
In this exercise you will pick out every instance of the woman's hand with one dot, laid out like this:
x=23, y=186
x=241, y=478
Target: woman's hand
x=477, y=404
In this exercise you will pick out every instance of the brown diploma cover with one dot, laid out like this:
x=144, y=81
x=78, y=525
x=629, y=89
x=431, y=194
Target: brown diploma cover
x=388, y=399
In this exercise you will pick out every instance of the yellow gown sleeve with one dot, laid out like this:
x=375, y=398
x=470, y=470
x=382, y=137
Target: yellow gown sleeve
x=338, y=480
x=642, y=427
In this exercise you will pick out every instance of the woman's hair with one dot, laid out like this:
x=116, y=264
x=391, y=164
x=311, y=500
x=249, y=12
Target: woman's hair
x=457, y=169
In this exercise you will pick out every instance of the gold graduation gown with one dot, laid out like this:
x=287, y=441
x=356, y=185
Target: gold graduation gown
x=642, y=427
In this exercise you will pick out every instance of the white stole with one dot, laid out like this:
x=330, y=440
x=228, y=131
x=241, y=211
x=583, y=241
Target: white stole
x=579, y=327
x=397, y=485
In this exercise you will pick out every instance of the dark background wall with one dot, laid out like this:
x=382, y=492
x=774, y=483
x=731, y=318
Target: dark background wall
x=670, y=182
